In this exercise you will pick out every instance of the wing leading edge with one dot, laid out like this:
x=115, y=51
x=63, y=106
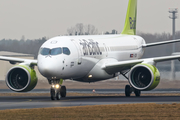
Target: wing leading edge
x=160, y=43
x=18, y=60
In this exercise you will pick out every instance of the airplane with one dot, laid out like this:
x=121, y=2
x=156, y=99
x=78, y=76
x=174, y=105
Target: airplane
x=91, y=58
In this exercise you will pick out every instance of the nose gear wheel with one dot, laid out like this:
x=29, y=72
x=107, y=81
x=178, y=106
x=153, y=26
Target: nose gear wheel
x=53, y=93
x=63, y=91
x=58, y=95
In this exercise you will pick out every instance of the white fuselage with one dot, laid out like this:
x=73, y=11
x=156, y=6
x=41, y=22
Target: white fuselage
x=86, y=55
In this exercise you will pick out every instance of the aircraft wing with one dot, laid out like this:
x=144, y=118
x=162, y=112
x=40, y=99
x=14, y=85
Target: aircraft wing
x=160, y=43
x=18, y=60
x=124, y=65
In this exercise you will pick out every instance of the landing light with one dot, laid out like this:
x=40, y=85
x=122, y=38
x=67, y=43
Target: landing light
x=57, y=86
x=90, y=76
x=53, y=77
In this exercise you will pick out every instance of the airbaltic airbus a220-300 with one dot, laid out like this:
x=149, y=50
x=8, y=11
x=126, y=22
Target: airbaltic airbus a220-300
x=91, y=58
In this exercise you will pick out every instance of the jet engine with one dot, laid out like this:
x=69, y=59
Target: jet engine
x=21, y=78
x=144, y=77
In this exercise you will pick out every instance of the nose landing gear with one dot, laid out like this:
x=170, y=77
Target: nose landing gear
x=57, y=91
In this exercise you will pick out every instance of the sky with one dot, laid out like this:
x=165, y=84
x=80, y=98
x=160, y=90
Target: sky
x=48, y=18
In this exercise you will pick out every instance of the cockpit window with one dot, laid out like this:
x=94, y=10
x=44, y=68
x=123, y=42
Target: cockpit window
x=45, y=51
x=56, y=51
x=66, y=51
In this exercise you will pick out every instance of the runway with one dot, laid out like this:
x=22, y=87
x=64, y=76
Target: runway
x=21, y=102
x=101, y=91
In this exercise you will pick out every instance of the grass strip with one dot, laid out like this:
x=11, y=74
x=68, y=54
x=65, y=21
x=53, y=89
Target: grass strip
x=150, y=111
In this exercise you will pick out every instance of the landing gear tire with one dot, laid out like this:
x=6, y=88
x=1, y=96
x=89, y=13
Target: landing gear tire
x=63, y=91
x=137, y=92
x=58, y=95
x=128, y=90
x=53, y=93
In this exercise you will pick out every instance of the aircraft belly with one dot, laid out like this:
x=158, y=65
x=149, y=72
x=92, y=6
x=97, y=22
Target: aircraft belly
x=80, y=70
x=97, y=73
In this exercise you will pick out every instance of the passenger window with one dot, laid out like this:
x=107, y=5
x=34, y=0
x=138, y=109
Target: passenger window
x=44, y=51
x=66, y=51
x=56, y=51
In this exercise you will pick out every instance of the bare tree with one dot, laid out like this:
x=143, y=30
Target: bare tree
x=81, y=29
x=23, y=38
x=90, y=30
x=70, y=31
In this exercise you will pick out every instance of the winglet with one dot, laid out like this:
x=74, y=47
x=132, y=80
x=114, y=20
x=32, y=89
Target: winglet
x=130, y=23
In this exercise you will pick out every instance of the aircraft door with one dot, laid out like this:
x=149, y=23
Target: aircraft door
x=105, y=49
x=79, y=51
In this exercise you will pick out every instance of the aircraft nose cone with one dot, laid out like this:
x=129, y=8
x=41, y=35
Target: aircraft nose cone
x=45, y=71
x=48, y=70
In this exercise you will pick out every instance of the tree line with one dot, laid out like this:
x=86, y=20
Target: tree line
x=32, y=46
x=81, y=29
x=22, y=46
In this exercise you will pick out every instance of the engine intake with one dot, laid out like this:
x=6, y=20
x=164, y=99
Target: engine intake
x=144, y=77
x=21, y=78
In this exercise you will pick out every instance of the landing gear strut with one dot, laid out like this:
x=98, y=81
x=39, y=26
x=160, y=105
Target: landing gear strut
x=57, y=91
x=129, y=90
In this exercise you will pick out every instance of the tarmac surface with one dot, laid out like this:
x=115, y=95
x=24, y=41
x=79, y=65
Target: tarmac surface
x=101, y=91
x=27, y=102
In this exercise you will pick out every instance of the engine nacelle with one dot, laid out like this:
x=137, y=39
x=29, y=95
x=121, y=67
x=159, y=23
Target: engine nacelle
x=144, y=77
x=21, y=78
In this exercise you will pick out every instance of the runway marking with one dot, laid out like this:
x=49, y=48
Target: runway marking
x=75, y=99
x=30, y=100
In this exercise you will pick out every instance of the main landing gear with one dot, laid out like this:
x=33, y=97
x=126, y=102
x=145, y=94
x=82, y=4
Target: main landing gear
x=129, y=90
x=57, y=91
